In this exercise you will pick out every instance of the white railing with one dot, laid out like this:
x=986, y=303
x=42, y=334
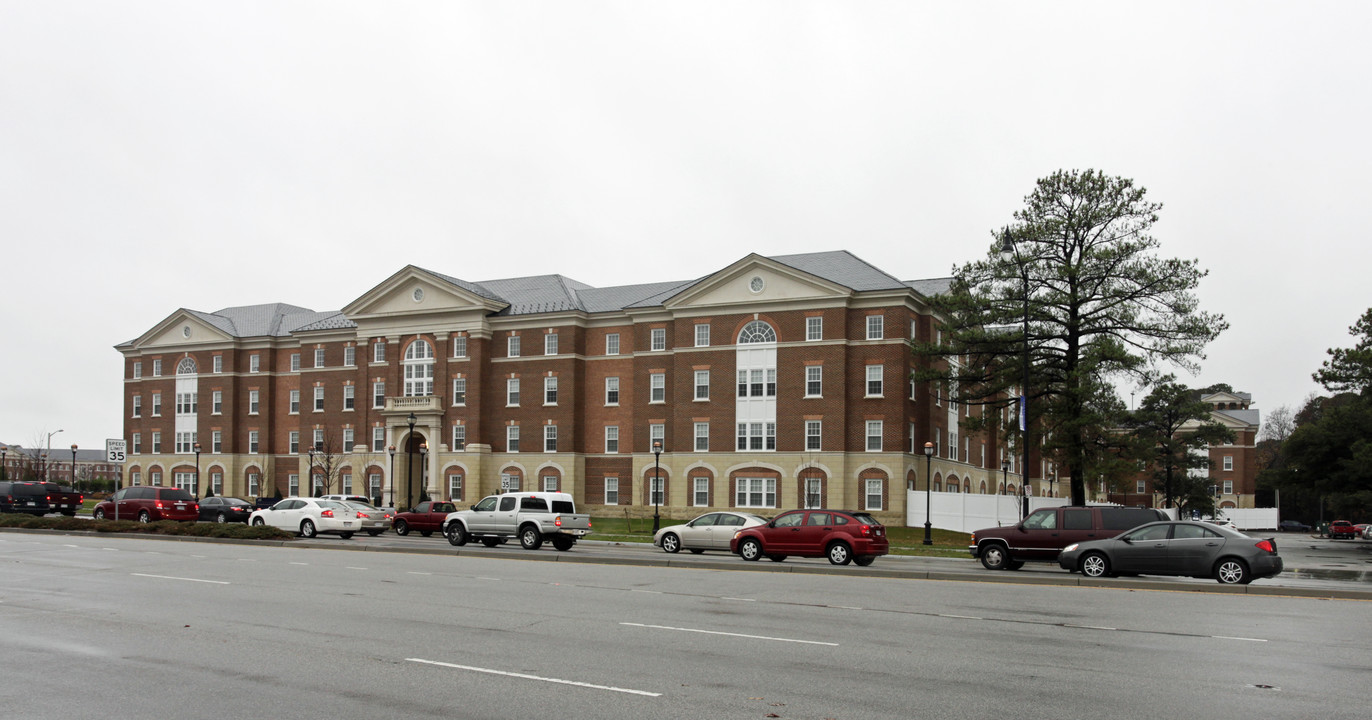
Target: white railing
x=421, y=403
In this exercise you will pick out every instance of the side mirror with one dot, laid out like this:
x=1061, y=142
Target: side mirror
x=771, y=523
x=1020, y=526
x=1129, y=541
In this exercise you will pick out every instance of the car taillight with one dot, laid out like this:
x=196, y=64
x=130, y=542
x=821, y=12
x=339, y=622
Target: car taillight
x=558, y=521
x=325, y=513
x=1266, y=546
x=588, y=522
x=362, y=514
x=866, y=530
x=158, y=505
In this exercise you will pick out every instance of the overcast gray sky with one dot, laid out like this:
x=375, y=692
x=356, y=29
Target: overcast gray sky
x=158, y=155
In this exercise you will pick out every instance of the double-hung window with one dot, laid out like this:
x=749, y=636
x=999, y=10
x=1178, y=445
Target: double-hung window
x=658, y=339
x=756, y=492
x=379, y=394
x=702, y=436
x=550, y=438
x=512, y=346
x=700, y=493
x=875, y=380
x=611, y=439
x=814, y=328
x=611, y=391
x=460, y=346
x=319, y=398
x=550, y=391
x=349, y=393
x=876, y=327
x=611, y=491
x=657, y=387
x=550, y=344
x=814, y=381
x=378, y=439
x=295, y=401
x=703, y=335
x=702, y=384
x=512, y=392
x=612, y=343
x=459, y=391
x=757, y=436
x=319, y=357
x=813, y=434
x=512, y=438
x=459, y=437
x=874, y=431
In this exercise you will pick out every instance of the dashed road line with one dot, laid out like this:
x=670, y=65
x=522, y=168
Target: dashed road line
x=526, y=676
x=730, y=634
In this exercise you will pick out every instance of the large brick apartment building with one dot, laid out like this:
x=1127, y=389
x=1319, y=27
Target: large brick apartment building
x=775, y=382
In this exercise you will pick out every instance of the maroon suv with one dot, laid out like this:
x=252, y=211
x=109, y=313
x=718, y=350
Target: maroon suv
x=148, y=503
x=843, y=536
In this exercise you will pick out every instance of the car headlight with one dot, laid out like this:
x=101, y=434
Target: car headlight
x=1070, y=548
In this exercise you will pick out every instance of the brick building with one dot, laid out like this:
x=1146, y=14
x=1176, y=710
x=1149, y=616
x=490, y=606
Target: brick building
x=1234, y=466
x=61, y=465
x=774, y=382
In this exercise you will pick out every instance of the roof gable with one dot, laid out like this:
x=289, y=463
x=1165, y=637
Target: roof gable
x=756, y=279
x=413, y=290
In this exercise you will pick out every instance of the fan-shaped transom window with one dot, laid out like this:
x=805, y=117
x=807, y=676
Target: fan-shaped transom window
x=419, y=350
x=757, y=331
x=186, y=366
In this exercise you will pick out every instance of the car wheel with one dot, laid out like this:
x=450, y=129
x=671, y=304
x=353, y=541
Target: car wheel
x=345, y=535
x=258, y=522
x=564, y=543
x=143, y=516
x=750, y=549
x=671, y=543
x=374, y=533
x=696, y=551
x=307, y=528
x=457, y=535
x=776, y=558
x=402, y=527
x=530, y=538
x=490, y=542
x=1232, y=571
x=99, y=514
x=864, y=560
x=995, y=557
x=839, y=554
x=221, y=518
x=1095, y=565
x=425, y=533
x=1014, y=565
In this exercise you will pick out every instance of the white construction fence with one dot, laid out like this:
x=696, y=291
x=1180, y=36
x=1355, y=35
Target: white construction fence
x=966, y=512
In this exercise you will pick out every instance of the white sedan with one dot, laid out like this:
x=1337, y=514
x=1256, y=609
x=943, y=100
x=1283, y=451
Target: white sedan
x=309, y=517
x=711, y=531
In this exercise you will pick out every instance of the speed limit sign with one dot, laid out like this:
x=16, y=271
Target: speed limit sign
x=116, y=450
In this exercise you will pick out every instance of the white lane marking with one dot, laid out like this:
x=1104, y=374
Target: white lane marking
x=169, y=577
x=1088, y=627
x=843, y=607
x=717, y=632
x=71, y=546
x=1228, y=637
x=740, y=599
x=349, y=567
x=418, y=573
x=299, y=563
x=482, y=577
x=650, y=592
x=961, y=617
x=534, y=677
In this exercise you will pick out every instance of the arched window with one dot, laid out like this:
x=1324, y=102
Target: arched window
x=186, y=366
x=757, y=331
x=419, y=369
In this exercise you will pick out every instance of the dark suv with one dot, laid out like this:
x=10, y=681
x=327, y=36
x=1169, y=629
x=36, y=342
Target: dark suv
x=1047, y=531
x=843, y=536
x=148, y=503
x=24, y=497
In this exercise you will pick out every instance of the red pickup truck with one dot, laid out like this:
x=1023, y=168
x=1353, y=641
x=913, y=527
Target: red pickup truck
x=63, y=499
x=1342, y=529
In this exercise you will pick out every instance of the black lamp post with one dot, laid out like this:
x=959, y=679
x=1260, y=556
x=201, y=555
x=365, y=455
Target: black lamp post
x=197, y=468
x=1005, y=476
x=4, y=466
x=43, y=466
x=314, y=491
x=1008, y=246
x=392, y=475
x=409, y=461
x=928, y=492
x=73, y=465
x=657, y=482
x=423, y=471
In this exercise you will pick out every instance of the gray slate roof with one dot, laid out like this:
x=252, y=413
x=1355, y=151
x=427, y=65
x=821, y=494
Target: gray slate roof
x=844, y=268
x=931, y=287
x=1249, y=416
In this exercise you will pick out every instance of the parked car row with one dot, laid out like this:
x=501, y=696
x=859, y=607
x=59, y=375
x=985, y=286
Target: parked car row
x=842, y=536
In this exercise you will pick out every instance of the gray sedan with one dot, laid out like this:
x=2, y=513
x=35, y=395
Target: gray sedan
x=1193, y=549
x=711, y=531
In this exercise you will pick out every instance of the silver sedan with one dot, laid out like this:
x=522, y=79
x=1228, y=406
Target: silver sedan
x=711, y=531
x=371, y=519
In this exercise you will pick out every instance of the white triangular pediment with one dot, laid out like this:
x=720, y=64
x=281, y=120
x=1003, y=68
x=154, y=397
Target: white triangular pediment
x=179, y=329
x=416, y=291
x=756, y=279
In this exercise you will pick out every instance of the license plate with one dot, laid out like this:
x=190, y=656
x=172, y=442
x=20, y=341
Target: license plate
x=30, y=502
x=179, y=506
x=347, y=524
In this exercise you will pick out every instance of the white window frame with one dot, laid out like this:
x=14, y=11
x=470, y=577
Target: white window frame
x=460, y=348
x=1228, y=463
x=550, y=390
x=137, y=443
x=512, y=438
x=459, y=438
x=511, y=392
x=702, y=436
x=814, y=435
x=702, y=385
x=217, y=402
x=348, y=440
x=876, y=327
x=657, y=388
x=657, y=339
x=550, y=344
x=512, y=346
x=455, y=486
x=217, y=364
x=755, y=492
x=156, y=442
x=814, y=328
x=293, y=442
x=876, y=381
x=349, y=356
x=254, y=402
x=874, y=433
x=379, y=351
x=349, y=397
x=157, y=368
x=657, y=431
x=137, y=369
x=319, y=398
x=611, y=343
x=873, y=499
x=319, y=357
x=254, y=363
x=254, y=443
x=656, y=487
x=611, y=439
x=814, y=381
x=1228, y=487
x=459, y=391
x=702, y=335
x=549, y=438
x=378, y=439
x=700, y=492
x=295, y=362
x=216, y=441
x=138, y=406
x=611, y=491
x=612, y=390
x=379, y=394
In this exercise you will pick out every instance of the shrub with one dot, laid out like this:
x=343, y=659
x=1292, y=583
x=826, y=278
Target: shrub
x=162, y=527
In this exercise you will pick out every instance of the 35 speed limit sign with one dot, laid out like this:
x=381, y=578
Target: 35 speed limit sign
x=116, y=450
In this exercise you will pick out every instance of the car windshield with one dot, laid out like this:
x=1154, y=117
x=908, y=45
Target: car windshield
x=866, y=519
x=360, y=506
x=331, y=504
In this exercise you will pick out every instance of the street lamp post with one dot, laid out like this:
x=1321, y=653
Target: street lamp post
x=392, y=475
x=657, y=482
x=314, y=492
x=409, y=461
x=1008, y=245
x=1004, y=477
x=197, y=469
x=4, y=465
x=73, y=465
x=423, y=471
x=43, y=466
x=928, y=492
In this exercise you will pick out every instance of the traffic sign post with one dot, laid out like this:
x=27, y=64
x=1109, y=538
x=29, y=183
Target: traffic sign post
x=116, y=450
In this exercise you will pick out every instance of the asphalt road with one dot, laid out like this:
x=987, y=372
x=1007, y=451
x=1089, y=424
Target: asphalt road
x=100, y=626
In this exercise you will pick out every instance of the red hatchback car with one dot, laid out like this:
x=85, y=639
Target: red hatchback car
x=149, y=503
x=843, y=536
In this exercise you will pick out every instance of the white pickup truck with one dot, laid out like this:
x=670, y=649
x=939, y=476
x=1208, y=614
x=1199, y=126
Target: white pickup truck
x=530, y=516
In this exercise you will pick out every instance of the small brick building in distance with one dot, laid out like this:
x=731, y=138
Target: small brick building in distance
x=772, y=383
